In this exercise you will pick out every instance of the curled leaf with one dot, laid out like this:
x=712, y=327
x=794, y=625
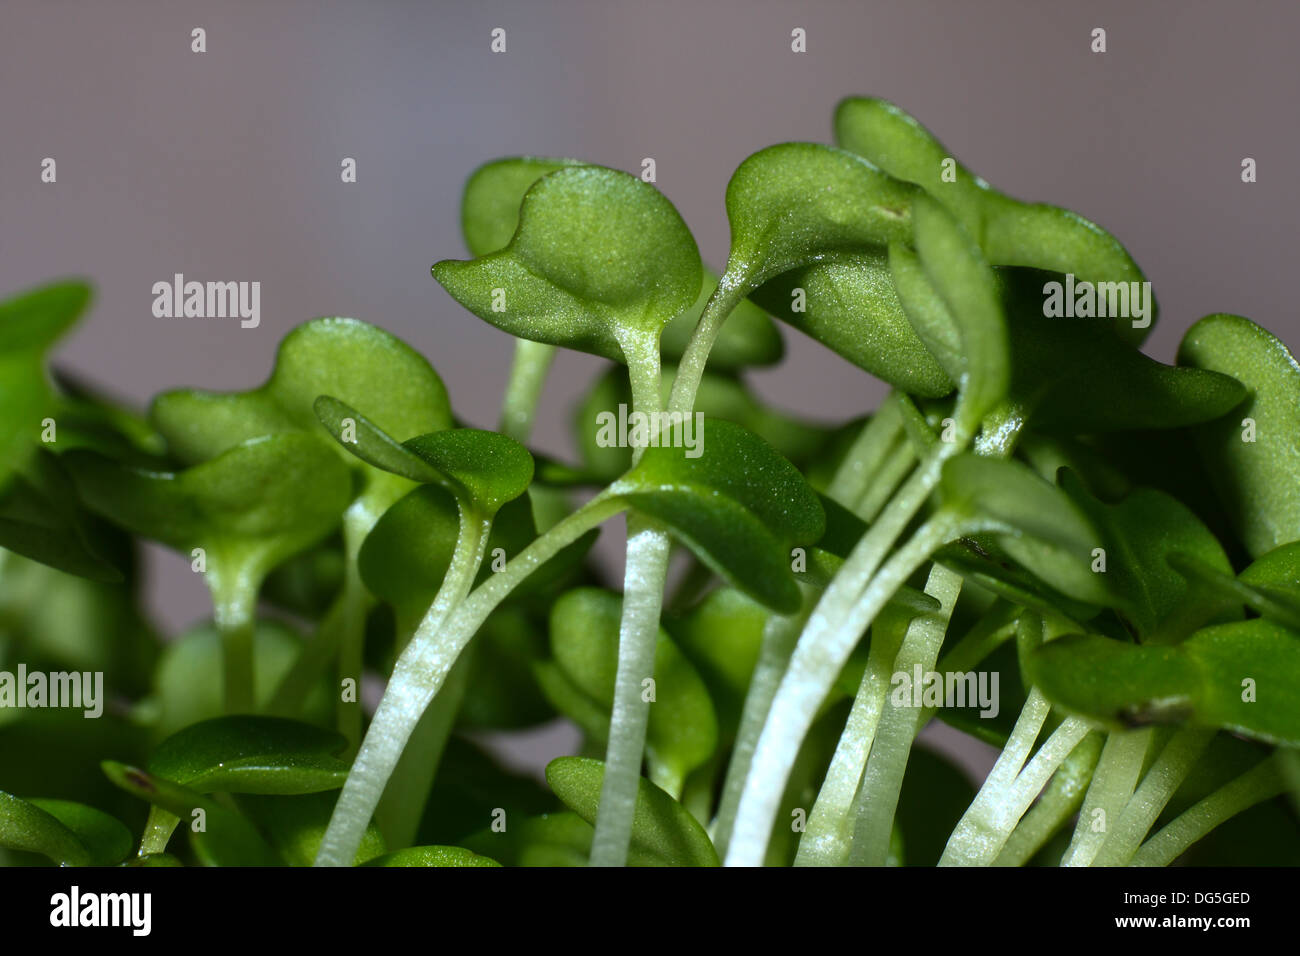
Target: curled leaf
x=738, y=505
x=661, y=827
x=600, y=263
x=1253, y=455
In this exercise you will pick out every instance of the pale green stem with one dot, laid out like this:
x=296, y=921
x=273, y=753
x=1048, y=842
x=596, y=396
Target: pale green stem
x=779, y=636
x=730, y=292
x=643, y=586
x=421, y=670
x=402, y=804
x=900, y=460
x=158, y=830
x=825, y=841
x=986, y=636
x=877, y=799
x=1011, y=785
x=1060, y=800
x=528, y=373
x=833, y=630
x=342, y=626
x=1262, y=782
x=866, y=456
x=1112, y=787
x=645, y=572
x=1158, y=786
x=234, y=605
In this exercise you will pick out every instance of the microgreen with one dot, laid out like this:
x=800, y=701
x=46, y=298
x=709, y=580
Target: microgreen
x=1114, y=539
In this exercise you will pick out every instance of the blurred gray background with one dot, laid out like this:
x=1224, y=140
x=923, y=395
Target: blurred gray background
x=224, y=165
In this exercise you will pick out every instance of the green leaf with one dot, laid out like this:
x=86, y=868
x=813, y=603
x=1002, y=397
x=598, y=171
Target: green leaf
x=69, y=834
x=370, y=443
x=849, y=305
x=661, y=826
x=791, y=204
x=432, y=856
x=1243, y=677
x=951, y=297
x=226, y=838
x=250, y=507
x=739, y=506
x=482, y=467
x=682, y=733
x=489, y=208
x=747, y=338
x=29, y=324
x=1033, y=521
x=502, y=693
x=1140, y=533
x=1270, y=587
x=41, y=519
x=1009, y=232
x=356, y=363
x=105, y=838
x=600, y=263
x=405, y=556
x=1256, y=479
x=721, y=636
x=37, y=318
x=295, y=825
x=265, y=755
x=1072, y=375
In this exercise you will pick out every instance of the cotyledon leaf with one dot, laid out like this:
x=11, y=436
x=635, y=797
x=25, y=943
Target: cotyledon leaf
x=848, y=303
x=432, y=856
x=244, y=754
x=294, y=825
x=601, y=261
x=1141, y=532
x=951, y=298
x=1253, y=455
x=353, y=361
x=1071, y=375
x=482, y=469
x=1270, y=586
x=738, y=504
x=793, y=203
x=1032, y=520
x=29, y=324
x=250, y=507
x=1243, y=677
x=67, y=833
x=489, y=207
x=225, y=838
x=661, y=826
x=1009, y=232
x=683, y=731
x=42, y=519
